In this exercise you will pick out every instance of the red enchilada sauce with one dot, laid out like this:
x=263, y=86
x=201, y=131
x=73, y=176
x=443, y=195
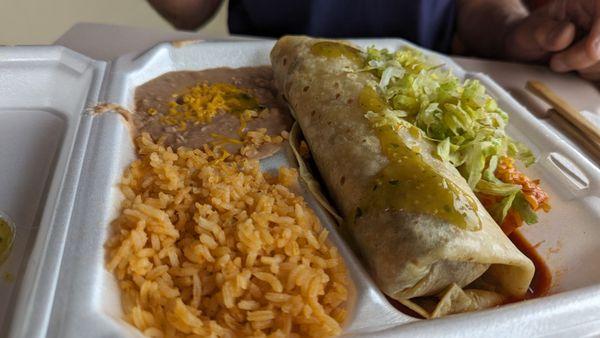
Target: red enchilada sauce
x=542, y=279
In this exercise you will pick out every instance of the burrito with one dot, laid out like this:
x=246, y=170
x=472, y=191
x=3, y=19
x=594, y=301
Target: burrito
x=425, y=238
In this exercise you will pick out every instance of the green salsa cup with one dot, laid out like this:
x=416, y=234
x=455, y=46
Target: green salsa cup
x=7, y=236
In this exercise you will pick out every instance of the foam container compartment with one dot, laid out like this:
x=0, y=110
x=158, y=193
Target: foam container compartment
x=67, y=291
x=43, y=91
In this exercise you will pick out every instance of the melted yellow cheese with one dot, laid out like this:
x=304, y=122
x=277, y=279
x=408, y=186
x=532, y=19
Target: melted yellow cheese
x=202, y=102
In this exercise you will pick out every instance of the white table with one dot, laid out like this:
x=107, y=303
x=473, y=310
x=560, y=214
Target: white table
x=107, y=42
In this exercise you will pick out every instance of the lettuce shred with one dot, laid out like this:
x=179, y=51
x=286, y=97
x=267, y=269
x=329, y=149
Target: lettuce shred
x=466, y=123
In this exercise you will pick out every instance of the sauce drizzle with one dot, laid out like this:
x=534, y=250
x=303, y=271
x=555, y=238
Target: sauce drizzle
x=542, y=279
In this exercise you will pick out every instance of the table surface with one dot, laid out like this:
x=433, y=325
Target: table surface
x=107, y=42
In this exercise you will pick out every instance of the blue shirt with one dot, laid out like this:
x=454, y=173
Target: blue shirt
x=429, y=23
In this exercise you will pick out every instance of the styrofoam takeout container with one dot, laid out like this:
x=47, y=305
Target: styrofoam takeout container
x=66, y=291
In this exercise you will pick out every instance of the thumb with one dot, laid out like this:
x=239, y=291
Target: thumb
x=535, y=37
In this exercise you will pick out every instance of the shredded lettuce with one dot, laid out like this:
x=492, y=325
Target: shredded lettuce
x=460, y=116
x=500, y=210
x=497, y=188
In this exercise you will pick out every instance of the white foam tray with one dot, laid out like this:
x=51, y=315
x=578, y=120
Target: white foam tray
x=67, y=292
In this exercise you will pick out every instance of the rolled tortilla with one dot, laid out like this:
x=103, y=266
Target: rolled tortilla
x=417, y=224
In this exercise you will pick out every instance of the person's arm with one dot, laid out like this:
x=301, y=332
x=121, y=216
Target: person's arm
x=505, y=29
x=186, y=14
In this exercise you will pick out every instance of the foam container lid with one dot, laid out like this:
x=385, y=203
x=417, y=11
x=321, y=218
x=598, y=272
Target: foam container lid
x=63, y=165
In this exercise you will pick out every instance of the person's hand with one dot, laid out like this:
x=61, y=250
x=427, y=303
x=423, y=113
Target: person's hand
x=567, y=32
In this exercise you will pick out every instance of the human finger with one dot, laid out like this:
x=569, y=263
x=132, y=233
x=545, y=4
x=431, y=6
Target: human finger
x=574, y=58
x=591, y=73
x=535, y=37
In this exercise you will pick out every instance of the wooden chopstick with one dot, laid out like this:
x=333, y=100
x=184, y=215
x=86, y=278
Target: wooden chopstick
x=574, y=133
x=565, y=110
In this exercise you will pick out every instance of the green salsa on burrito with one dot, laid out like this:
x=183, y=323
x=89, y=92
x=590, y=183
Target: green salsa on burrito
x=412, y=184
